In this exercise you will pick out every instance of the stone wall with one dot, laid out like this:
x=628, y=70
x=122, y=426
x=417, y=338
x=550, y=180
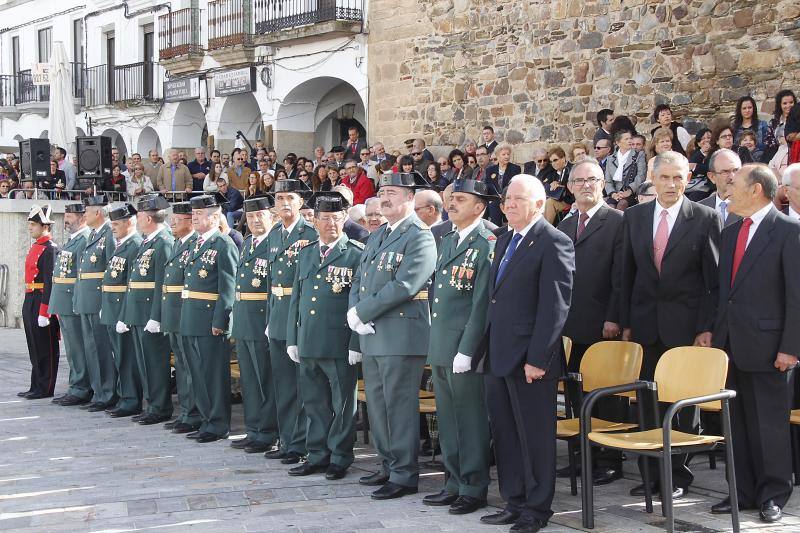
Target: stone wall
x=538, y=71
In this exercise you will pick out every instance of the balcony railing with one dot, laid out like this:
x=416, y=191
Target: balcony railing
x=137, y=81
x=78, y=80
x=7, y=90
x=229, y=23
x=96, y=86
x=26, y=92
x=179, y=33
x=276, y=15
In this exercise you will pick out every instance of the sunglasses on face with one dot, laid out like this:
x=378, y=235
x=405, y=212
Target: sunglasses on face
x=598, y=147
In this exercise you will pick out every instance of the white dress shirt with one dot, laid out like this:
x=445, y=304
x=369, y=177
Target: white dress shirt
x=125, y=238
x=793, y=214
x=186, y=237
x=757, y=217
x=463, y=234
x=672, y=215
x=592, y=211
x=394, y=226
x=621, y=160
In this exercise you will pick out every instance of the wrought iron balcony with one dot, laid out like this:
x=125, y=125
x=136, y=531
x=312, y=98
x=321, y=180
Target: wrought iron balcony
x=179, y=34
x=276, y=15
x=28, y=93
x=137, y=81
x=230, y=23
x=96, y=85
x=7, y=90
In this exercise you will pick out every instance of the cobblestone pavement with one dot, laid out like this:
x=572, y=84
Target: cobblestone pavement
x=63, y=469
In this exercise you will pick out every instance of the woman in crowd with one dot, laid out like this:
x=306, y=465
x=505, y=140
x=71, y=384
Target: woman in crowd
x=139, y=183
x=308, y=178
x=268, y=182
x=456, y=160
x=281, y=174
x=723, y=138
x=320, y=176
x=470, y=148
x=56, y=181
x=748, y=141
x=700, y=151
x=5, y=189
x=662, y=115
x=472, y=161
x=625, y=171
x=332, y=181
x=255, y=186
x=434, y=175
x=746, y=118
x=660, y=143
x=116, y=185
x=776, y=132
x=577, y=152
x=210, y=181
x=405, y=164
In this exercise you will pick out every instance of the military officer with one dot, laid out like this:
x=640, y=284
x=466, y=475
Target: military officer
x=41, y=330
x=115, y=288
x=91, y=269
x=188, y=419
x=389, y=309
x=252, y=346
x=208, y=293
x=65, y=274
x=319, y=340
x=458, y=321
x=290, y=235
x=142, y=311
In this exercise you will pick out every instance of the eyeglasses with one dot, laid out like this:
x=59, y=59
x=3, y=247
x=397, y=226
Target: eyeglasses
x=364, y=153
x=303, y=174
x=598, y=147
x=726, y=136
x=541, y=160
x=580, y=182
x=416, y=153
x=725, y=171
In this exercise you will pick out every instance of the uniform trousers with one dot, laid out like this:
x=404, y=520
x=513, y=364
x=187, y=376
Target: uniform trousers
x=99, y=359
x=129, y=381
x=292, y=421
x=187, y=407
x=43, y=347
x=152, y=357
x=258, y=392
x=80, y=385
x=210, y=365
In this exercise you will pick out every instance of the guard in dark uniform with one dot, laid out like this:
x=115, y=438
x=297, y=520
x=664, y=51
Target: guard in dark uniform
x=62, y=304
x=87, y=302
x=285, y=241
x=115, y=291
x=41, y=329
x=458, y=321
x=143, y=309
x=318, y=339
x=188, y=419
x=208, y=293
x=249, y=317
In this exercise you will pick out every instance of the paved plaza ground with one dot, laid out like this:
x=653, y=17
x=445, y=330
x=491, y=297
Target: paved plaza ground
x=63, y=469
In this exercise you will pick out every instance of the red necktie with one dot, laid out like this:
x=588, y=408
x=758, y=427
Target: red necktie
x=581, y=224
x=661, y=239
x=741, y=246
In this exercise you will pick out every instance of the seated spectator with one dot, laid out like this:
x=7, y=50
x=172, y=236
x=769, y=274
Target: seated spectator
x=405, y=164
x=646, y=192
x=210, y=181
x=489, y=142
x=472, y=160
x=268, y=181
x=290, y=165
x=29, y=192
x=748, y=140
x=638, y=142
x=602, y=150
x=306, y=177
x=372, y=212
x=428, y=206
x=661, y=142
x=604, y=119
x=445, y=170
x=498, y=176
x=320, y=177
x=255, y=186
x=139, y=183
x=539, y=166
x=623, y=123
x=746, y=118
x=577, y=152
x=723, y=138
x=5, y=188
x=559, y=198
x=434, y=175
x=470, y=147
x=699, y=151
x=337, y=157
x=625, y=171
x=116, y=185
x=234, y=201
x=418, y=146
x=457, y=163
x=309, y=166
x=280, y=174
x=784, y=101
x=333, y=179
x=357, y=181
x=662, y=115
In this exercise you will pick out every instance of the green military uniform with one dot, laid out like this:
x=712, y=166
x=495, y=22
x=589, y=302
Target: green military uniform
x=171, y=303
x=252, y=347
x=389, y=291
x=208, y=294
x=115, y=288
x=62, y=296
x=283, y=253
x=87, y=302
x=317, y=325
x=458, y=321
x=142, y=305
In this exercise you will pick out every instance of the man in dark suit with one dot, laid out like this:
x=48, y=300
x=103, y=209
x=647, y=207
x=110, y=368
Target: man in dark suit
x=722, y=165
x=593, y=316
x=757, y=326
x=669, y=282
x=529, y=297
x=353, y=144
x=489, y=142
x=539, y=166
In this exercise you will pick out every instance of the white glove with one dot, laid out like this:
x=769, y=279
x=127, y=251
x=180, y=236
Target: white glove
x=365, y=329
x=153, y=326
x=122, y=328
x=100, y=314
x=354, y=357
x=352, y=318
x=43, y=321
x=266, y=331
x=293, y=355
x=462, y=363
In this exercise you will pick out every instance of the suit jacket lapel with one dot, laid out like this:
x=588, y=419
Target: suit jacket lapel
x=396, y=233
x=522, y=248
x=594, y=224
x=205, y=246
x=681, y=225
x=462, y=247
x=648, y=230
x=757, y=245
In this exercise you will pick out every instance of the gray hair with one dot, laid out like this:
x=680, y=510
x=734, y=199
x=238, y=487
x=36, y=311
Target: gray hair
x=722, y=151
x=534, y=184
x=346, y=192
x=431, y=199
x=371, y=200
x=592, y=163
x=357, y=213
x=671, y=158
x=786, y=179
x=539, y=151
x=763, y=175
x=158, y=216
x=503, y=146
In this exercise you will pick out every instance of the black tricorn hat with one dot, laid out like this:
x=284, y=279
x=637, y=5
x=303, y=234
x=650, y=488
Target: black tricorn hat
x=410, y=180
x=41, y=214
x=182, y=208
x=98, y=200
x=152, y=202
x=75, y=208
x=259, y=203
x=207, y=200
x=337, y=149
x=478, y=188
x=328, y=202
x=295, y=186
x=123, y=210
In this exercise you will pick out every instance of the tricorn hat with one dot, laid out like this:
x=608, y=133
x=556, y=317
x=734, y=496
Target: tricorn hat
x=75, y=208
x=152, y=202
x=206, y=200
x=259, y=203
x=478, y=188
x=122, y=211
x=329, y=202
x=40, y=214
x=295, y=186
x=182, y=208
x=98, y=200
x=410, y=180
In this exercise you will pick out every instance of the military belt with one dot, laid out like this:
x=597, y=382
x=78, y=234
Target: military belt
x=279, y=291
x=252, y=296
x=142, y=285
x=114, y=288
x=194, y=295
x=34, y=286
x=64, y=281
x=171, y=288
x=92, y=275
x=421, y=295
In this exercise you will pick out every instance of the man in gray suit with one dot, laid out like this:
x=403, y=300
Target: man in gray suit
x=722, y=165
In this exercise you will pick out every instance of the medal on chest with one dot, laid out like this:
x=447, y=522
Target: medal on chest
x=260, y=270
x=339, y=278
x=184, y=258
x=65, y=259
x=116, y=266
x=145, y=261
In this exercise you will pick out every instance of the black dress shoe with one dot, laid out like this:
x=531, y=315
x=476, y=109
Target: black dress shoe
x=528, y=525
x=390, y=491
x=86, y=406
x=70, y=400
x=194, y=434
x=677, y=492
x=121, y=413
x=373, y=480
x=723, y=507
x=257, y=447
x=440, y=498
x=277, y=453
x=467, y=504
x=502, y=518
x=604, y=476
x=24, y=393
x=57, y=399
x=183, y=427
x=37, y=396
x=306, y=469
x=292, y=458
x=171, y=424
x=240, y=444
x=770, y=512
x=97, y=407
x=151, y=419
x=335, y=472
x=209, y=437
x=141, y=416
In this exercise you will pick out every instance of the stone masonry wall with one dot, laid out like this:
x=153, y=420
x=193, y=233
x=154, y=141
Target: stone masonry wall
x=538, y=71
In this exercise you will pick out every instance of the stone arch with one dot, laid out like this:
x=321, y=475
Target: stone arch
x=44, y=135
x=117, y=141
x=80, y=132
x=148, y=140
x=240, y=112
x=188, y=125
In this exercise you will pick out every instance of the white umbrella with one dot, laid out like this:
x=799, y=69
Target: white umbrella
x=62, y=102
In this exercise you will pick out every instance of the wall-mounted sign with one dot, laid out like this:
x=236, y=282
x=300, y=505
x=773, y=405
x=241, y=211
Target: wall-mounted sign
x=178, y=89
x=40, y=73
x=237, y=81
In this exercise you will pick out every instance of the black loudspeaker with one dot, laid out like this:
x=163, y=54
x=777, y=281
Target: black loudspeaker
x=94, y=157
x=34, y=158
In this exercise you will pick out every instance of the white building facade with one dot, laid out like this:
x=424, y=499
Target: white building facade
x=191, y=73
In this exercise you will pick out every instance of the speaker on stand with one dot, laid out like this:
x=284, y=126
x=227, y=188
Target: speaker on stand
x=94, y=161
x=34, y=159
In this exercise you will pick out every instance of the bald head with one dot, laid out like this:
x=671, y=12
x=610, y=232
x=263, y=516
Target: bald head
x=428, y=206
x=524, y=201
